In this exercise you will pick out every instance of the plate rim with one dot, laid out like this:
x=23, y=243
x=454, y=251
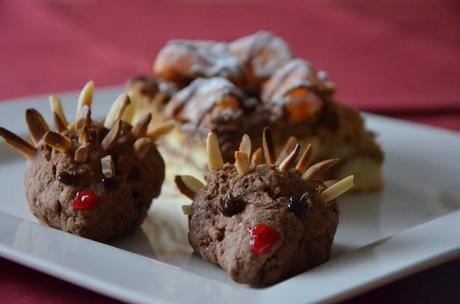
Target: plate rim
x=10, y=252
x=442, y=249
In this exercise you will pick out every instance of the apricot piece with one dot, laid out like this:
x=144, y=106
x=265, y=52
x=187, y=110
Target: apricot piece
x=302, y=105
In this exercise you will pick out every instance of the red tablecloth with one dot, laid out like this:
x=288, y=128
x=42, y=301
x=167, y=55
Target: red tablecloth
x=397, y=58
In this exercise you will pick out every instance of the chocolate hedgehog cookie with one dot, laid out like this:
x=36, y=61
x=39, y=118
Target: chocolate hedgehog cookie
x=92, y=178
x=263, y=221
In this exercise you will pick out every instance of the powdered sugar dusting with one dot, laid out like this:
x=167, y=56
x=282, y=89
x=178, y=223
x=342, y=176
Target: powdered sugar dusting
x=201, y=95
x=264, y=51
x=202, y=58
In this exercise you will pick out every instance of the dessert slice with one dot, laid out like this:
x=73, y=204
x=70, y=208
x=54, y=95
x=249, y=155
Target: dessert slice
x=287, y=94
x=93, y=178
x=258, y=221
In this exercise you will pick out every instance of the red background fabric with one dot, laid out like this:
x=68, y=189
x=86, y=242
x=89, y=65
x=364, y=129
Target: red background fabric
x=396, y=58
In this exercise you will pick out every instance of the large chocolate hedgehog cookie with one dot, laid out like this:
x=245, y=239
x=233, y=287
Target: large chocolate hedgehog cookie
x=263, y=221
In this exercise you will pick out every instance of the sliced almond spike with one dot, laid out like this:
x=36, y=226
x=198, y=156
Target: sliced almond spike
x=330, y=182
x=117, y=110
x=56, y=107
x=18, y=143
x=245, y=145
x=84, y=136
x=131, y=109
x=108, y=166
x=83, y=117
x=215, y=161
x=72, y=127
x=161, y=129
x=257, y=158
x=142, y=146
x=82, y=153
x=337, y=189
x=58, y=141
x=140, y=128
x=305, y=159
x=187, y=209
x=188, y=185
x=269, y=149
x=59, y=125
x=241, y=162
x=288, y=147
x=86, y=96
x=111, y=138
x=318, y=169
x=36, y=124
x=286, y=164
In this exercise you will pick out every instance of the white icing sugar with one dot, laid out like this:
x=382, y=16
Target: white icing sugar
x=202, y=94
x=265, y=51
x=201, y=58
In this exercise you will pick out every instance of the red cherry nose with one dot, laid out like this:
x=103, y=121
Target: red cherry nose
x=85, y=199
x=263, y=237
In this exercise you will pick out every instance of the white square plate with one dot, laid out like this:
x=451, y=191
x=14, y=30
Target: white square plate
x=412, y=224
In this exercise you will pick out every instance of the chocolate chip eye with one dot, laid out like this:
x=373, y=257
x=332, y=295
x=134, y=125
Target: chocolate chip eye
x=110, y=183
x=232, y=205
x=299, y=205
x=66, y=178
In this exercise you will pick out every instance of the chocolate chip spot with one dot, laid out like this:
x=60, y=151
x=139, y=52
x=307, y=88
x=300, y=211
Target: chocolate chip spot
x=66, y=178
x=232, y=205
x=110, y=183
x=299, y=205
x=135, y=174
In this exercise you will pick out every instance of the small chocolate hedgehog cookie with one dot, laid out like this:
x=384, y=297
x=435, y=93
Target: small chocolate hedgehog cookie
x=264, y=218
x=92, y=178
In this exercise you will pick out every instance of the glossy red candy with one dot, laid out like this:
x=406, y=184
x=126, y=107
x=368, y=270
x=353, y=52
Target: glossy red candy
x=263, y=237
x=85, y=199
